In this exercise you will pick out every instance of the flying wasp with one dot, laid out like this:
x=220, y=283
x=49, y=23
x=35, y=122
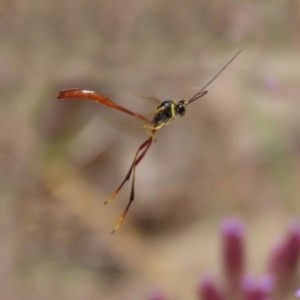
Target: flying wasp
x=166, y=112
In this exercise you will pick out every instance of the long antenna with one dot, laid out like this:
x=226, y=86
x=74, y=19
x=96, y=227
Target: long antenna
x=202, y=92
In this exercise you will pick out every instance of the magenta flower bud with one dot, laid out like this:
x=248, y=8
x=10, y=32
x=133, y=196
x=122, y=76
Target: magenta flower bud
x=208, y=290
x=233, y=254
x=253, y=290
x=266, y=283
x=292, y=244
x=284, y=259
x=297, y=294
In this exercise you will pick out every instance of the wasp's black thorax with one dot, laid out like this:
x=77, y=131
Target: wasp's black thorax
x=164, y=113
x=167, y=111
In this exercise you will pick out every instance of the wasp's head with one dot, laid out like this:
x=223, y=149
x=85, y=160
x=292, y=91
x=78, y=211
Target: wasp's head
x=180, y=107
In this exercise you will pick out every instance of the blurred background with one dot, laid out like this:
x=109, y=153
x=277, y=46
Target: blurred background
x=235, y=153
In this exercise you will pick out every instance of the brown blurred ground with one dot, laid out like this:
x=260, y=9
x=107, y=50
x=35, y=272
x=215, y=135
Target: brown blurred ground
x=235, y=153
